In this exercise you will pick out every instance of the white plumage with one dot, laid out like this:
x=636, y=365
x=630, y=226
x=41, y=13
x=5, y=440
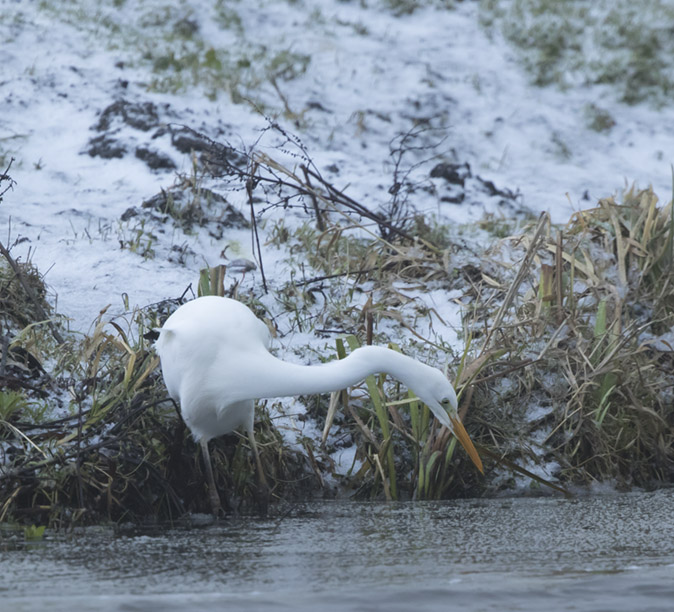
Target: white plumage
x=216, y=362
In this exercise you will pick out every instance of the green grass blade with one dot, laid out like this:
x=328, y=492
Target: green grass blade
x=382, y=416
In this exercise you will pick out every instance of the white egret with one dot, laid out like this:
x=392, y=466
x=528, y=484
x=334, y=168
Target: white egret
x=216, y=362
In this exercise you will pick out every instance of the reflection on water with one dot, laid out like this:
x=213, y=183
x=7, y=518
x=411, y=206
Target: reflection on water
x=598, y=553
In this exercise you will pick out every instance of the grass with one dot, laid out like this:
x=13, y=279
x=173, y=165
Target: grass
x=135, y=238
x=598, y=119
x=402, y=8
x=117, y=451
x=393, y=440
x=572, y=43
x=572, y=327
x=563, y=318
x=169, y=41
x=567, y=323
x=601, y=305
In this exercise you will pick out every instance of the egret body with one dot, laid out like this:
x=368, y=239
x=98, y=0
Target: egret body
x=216, y=362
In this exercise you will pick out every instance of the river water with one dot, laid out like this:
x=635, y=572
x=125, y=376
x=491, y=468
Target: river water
x=599, y=553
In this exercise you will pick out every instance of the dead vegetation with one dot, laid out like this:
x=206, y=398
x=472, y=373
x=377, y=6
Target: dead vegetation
x=566, y=364
x=592, y=318
x=119, y=451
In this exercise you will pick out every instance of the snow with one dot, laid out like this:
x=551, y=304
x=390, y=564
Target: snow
x=370, y=77
x=373, y=71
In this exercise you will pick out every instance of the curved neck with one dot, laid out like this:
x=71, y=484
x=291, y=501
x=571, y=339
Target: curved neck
x=282, y=379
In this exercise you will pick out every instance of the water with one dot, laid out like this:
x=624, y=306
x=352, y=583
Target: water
x=609, y=553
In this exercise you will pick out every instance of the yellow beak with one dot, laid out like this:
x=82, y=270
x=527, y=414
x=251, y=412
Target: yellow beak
x=462, y=436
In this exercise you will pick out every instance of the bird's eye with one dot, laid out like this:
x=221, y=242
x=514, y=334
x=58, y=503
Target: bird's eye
x=445, y=401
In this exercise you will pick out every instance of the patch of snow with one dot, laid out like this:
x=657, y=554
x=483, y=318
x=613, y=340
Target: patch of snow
x=536, y=412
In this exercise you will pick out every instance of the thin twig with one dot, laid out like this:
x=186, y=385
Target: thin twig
x=250, y=186
x=5, y=177
x=4, y=346
x=319, y=216
x=543, y=220
x=317, y=279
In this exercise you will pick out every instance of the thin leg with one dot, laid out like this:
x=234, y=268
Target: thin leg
x=216, y=507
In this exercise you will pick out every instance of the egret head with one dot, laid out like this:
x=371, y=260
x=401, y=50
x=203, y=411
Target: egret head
x=439, y=395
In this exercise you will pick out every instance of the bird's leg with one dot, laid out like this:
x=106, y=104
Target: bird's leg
x=216, y=507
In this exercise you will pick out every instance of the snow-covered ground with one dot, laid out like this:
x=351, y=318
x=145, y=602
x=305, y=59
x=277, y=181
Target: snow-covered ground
x=88, y=90
x=361, y=77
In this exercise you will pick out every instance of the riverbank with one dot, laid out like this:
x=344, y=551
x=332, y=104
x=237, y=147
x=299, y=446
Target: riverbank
x=390, y=172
